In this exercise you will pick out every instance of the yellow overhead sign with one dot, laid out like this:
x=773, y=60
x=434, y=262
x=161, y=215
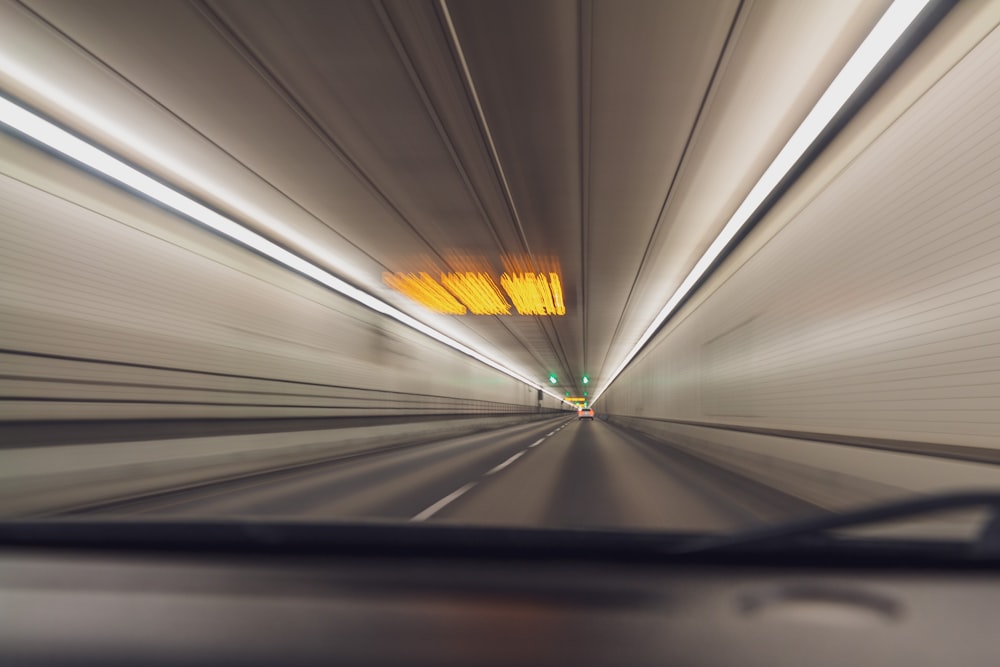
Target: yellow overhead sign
x=426, y=291
x=534, y=293
x=477, y=291
x=533, y=285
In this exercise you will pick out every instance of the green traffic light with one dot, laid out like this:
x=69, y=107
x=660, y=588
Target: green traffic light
x=553, y=379
x=586, y=380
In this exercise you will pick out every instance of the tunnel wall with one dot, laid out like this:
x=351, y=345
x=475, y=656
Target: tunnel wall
x=868, y=307
x=113, y=309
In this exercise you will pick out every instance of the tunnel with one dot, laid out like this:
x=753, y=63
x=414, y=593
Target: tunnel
x=350, y=260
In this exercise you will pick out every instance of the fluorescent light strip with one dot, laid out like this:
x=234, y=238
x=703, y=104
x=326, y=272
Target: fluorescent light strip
x=883, y=36
x=41, y=130
x=32, y=77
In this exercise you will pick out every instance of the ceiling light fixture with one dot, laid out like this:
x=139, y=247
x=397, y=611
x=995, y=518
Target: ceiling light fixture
x=42, y=131
x=896, y=20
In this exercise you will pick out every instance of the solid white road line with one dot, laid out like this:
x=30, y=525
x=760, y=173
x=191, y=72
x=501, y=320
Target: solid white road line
x=537, y=442
x=506, y=463
x=433, y=509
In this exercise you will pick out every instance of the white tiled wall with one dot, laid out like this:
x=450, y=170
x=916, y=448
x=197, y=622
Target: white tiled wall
x=876, y=311
x=100, y=318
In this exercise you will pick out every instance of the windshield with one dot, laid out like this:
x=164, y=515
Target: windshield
x=682, y=267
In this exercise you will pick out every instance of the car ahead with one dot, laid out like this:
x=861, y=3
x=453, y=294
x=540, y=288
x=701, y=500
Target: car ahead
x=585, y=413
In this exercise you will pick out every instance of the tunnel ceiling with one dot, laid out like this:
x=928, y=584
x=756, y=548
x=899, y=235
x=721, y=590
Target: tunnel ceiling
x=614, y=138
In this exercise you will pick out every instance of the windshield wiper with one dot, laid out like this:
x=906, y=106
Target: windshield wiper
x=985, y=545
x=810, y=542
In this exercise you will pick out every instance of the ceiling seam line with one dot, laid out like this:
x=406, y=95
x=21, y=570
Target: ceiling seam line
x=559, y=348
x=421, y=89
x=89, y=55
x=699, y=116
x=471, y=87
x=556, y=345
x=519, y=339
x=309, y=120
x=586, y=53
x=392, y=32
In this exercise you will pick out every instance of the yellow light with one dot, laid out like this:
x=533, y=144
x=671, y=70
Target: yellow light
x=532, y=294
x=557, y=294
x=468, y=284
x=424, y=290
x=477, y=291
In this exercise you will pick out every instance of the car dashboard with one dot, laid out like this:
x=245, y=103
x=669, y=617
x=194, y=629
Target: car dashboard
x=376, y=595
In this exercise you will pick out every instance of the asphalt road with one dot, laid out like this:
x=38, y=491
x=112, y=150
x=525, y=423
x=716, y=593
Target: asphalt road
x=558, y=473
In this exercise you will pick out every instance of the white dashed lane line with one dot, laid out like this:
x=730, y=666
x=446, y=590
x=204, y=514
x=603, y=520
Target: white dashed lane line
x=436, y=507
x=507, y=462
